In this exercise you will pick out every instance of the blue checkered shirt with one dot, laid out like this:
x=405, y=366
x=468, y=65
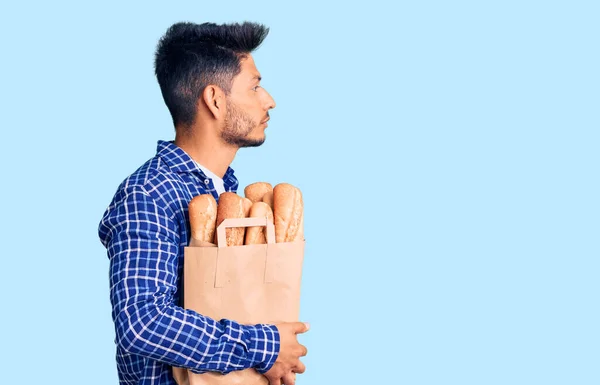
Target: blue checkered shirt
x=145, y=229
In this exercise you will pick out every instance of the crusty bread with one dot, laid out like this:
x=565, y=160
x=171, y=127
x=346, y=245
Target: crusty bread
x=247, y=206
x=288, y=213
x=300, y=234
x=256, y=191
x=258, y=234
x=231, y=205
x=203, y=216
x=268, y=199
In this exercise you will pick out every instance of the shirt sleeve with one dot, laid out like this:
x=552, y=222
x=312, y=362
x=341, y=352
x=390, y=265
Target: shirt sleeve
x=142, y=242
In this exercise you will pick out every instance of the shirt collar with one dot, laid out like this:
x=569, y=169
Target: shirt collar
x=179, y=161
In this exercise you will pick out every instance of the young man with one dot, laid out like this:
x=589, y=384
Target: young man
x=211, y=86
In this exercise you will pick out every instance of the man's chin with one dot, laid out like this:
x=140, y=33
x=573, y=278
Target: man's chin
x=247, y=142
x=244, y=141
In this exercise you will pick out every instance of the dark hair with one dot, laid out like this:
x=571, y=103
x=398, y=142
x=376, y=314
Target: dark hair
x=191, y=56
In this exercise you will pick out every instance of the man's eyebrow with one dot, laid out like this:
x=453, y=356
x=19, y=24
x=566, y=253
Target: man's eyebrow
x=257, y=77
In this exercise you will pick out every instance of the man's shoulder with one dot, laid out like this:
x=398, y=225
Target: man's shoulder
x=151, y=183
x=154, y=177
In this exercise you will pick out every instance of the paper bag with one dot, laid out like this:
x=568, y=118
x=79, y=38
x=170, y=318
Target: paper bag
x=249, y=284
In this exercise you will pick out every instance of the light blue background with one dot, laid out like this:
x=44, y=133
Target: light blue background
x=447, y=152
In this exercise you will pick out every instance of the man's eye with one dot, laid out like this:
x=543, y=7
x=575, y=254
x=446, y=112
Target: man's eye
x=255, y=88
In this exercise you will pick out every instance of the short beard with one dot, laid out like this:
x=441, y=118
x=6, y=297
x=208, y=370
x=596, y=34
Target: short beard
x=238, y=126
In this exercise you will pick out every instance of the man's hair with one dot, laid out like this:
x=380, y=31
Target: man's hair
x=191, y=56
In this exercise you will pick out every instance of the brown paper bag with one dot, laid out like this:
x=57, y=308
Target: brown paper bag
x=249, y=284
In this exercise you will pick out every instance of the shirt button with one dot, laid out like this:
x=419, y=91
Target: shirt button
x=206, y=182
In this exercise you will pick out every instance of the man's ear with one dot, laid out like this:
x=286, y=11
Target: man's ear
x=214, y=98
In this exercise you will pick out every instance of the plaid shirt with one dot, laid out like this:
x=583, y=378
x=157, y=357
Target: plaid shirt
x=145, y=229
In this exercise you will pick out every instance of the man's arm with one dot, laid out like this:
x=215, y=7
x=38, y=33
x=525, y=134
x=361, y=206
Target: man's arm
x=142, y=242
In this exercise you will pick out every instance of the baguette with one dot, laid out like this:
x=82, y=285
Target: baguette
x=288, y=213
x=231, y=205
x=268, y=199
x=202, y=211
x=256, y=191
x=247, y=206
x=258, y=234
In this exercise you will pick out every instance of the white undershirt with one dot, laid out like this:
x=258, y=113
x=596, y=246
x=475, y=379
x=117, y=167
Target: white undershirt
x=217, y=182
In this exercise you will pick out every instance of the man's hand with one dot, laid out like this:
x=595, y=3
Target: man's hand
x=283, y=372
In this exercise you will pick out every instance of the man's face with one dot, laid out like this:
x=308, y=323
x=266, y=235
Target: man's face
x=248, y=108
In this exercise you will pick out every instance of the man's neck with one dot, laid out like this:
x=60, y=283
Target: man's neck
x=207, y=150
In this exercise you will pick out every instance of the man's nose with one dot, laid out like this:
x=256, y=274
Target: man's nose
x=270, y=102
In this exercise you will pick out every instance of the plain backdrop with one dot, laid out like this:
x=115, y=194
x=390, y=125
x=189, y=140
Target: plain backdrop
x=447, y=152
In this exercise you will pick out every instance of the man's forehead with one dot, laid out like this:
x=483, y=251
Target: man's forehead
x=249, y=69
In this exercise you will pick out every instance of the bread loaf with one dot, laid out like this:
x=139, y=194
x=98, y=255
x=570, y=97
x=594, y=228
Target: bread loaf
x=256, y=191
x=300, y=234
x=258, y=234
x=247, y=206
x=202, y=211
x=268, y=198
x=288, y=213
x=231, y=205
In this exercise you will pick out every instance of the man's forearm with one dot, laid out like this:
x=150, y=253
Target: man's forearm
x=184, y=338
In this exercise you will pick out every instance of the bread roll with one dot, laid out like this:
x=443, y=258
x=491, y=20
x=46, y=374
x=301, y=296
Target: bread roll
x=288, y=213
x=256, y=191
x=258, y=234
x=231, y=205
x=203, y=216
x=268, y=199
